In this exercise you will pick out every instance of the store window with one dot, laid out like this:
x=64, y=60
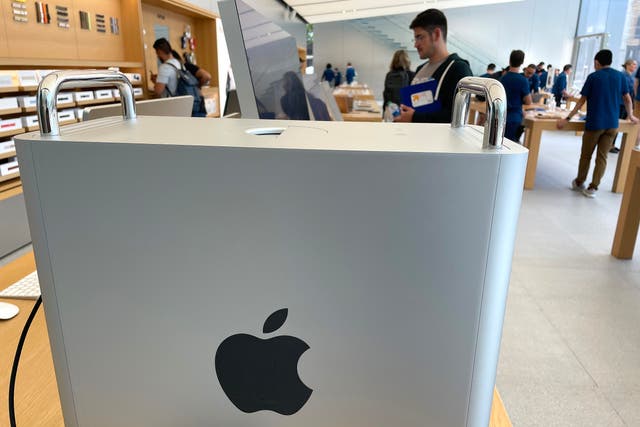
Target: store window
x=605, y=24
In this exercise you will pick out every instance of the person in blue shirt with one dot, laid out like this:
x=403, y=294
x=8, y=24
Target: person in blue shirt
x=328, y=74
x=516, y=87
x=559, y=89
x=533, y=79
x=637, y=92
x=543, y=75
x=603, y=92
x=350, y=74
x=628, y=71
x=338, y=79
x=491, y=69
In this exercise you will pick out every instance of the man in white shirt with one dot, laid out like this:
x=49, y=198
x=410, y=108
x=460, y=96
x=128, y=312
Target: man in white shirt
x=166, y=81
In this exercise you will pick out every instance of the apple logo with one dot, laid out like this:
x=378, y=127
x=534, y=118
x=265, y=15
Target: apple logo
x=262, y=374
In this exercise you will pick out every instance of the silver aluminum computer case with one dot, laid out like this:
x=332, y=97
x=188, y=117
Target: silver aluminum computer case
x=159, y=238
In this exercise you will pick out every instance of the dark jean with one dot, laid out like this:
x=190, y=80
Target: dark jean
x=512, y=131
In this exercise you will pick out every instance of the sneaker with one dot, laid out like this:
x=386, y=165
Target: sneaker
x=590, y=192
x=614, y=150
x=576, y=187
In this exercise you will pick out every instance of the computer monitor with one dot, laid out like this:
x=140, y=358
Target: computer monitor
x=266, y=67
x=179, y=106
x=232, y=105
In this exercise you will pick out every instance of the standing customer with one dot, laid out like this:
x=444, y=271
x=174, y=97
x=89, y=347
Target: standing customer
x=430, y=35
x=604, y=90
x=166, y=81
x=517, y=88
x=559, y=89
x=399, y=76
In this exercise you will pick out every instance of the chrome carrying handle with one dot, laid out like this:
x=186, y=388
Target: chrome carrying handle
x=53, y=82
x=496, y=99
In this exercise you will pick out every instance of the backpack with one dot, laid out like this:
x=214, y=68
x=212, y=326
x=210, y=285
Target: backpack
x=395, y=81
x=188, y=85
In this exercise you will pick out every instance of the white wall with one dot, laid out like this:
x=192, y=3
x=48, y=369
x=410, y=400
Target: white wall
x=540, y=28
x=339, y=42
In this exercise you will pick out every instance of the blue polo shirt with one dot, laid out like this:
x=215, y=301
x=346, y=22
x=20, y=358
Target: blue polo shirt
x=534, y=83
x=516, y=87
x=559, y=85
x=629, y=79
x=604, y=90
x=543, y=79
x=638, y=77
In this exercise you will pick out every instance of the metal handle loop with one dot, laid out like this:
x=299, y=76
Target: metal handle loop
x=496, y=99
x=53, y=82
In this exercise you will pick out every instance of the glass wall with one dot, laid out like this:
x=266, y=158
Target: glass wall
x=604, y=24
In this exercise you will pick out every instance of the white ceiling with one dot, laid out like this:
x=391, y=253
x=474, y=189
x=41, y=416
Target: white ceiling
x=315, y=11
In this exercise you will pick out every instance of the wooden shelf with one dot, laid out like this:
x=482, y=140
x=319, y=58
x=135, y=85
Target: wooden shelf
x=66, y=105
x=4, y=178
x=183, y=8
x=61, y=123
x=28, y=109
x=9, y=89
x=8, y=154
x=10, y=184
x=28, y=88
x=11, y=132
x=69, y=63
x=94, y=102
x=10, y=111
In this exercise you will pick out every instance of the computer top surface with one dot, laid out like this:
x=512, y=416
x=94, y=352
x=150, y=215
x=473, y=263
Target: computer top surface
x=253, y=133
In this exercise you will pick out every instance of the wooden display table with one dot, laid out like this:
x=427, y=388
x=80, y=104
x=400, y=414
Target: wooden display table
x=533, y=135
x=624, y=241
x=346, y=95
x=37, y=401
x=362, y=116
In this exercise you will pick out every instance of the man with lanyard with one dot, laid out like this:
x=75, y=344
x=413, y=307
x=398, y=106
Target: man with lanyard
x=430, y=35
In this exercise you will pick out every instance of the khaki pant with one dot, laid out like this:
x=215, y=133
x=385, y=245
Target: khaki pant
x=603, y=139
x=636, y=107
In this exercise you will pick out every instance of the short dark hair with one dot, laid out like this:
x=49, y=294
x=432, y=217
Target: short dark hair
x=162, y=45
x=431, y=19
x=491, y=66
x=541, y=64
x=549, y=66
x=604, y=57
x=329, y=65
x=567, y=67
x=516, y=58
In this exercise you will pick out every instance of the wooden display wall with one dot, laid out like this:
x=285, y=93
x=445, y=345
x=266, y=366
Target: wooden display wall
x=154, y=17
x=51, y=41
x=174, y=19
